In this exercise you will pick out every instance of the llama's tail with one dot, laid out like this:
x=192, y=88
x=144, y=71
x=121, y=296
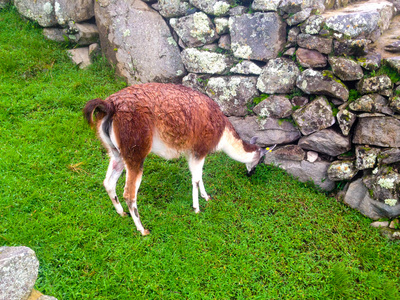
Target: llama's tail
x=100, y=107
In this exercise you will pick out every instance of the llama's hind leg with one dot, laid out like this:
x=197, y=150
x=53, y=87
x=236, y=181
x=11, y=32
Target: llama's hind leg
x=133, y=180
x=114, y=171
x=196, y=168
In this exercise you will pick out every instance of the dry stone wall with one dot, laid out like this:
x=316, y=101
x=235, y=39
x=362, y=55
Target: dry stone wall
x=315, y=77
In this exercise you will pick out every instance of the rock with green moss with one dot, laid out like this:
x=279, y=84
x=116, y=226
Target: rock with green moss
x=258, y=36
x=374, y=84
x=274, y=107
x=394, y=62
x=278, y=76
x=4, y=3
x=394, y=103
x=346, y=69
x=195, y=30
x=312, y=25
x=345, y=120
x=389, y=156
x=265, y=5
x=290, y=152
x=173, y=8
x=212, y=7
x=314, y=116
x=342, y=170
x=371, y=61
x=197, y=61
x=322, y=83
x=366, y=157
x=373, y=103
x=232, y=93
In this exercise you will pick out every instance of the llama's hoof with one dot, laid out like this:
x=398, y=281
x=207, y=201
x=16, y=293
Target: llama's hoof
x=145, y=232
x=123, y=214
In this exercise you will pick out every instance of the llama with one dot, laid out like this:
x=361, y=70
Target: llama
x=168, y=120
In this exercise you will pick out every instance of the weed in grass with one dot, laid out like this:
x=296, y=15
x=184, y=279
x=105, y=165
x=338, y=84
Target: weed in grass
x=263, y=237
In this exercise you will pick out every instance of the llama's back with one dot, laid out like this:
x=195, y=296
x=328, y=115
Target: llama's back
x=183, y=118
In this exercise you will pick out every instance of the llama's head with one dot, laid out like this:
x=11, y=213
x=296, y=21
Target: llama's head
x=258, y=156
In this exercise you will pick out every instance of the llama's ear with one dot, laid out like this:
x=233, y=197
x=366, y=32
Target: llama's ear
x=253, y=140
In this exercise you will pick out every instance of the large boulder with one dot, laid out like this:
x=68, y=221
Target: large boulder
x=41, y=11
x=18, y=272
x=232, y=93
x=258, y=36
x=129, y=41
x=73, y=10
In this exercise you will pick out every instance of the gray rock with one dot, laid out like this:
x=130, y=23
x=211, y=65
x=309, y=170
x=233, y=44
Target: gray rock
x=197, y=61
x=225, y=42
x=312, y=156
x=221, y=25
x=212, y=7
x=80, y=57
x=342, y=170
x=3, y=3
x=258, y=36
x=326, y=141
x=232, y=93
x=322, y=83
x=298, y=17
x=356, y=47
x=371, y=61
x=345, y=120
x=393, y=47
x=384, y=187
x=378, y=131
x=196, y=81
x=41, y=11
x=173, y=8
x=265, y=5
x=304, y=171
x=371, y=103
x=73, y=10
x=389, y=156
x=129, y=41
x=238, y=10
x=290, y=152
x=269, y=131
x=313, y=42
x=312, y=25
x=290, y=52
x=86, y=33
x=345, y=68
x=357, y=197
x=362, y=22
x=292, y=36
x=295, y=6
x=277, y=107
x=366, y=157
x=195, y=30
x=310, y=58
x=55, y=34
x=278, y=76
x=374, y=84
x=299, y=101
x=246, y=67
x=394, y=62
x=314, y=116
x=18, y=272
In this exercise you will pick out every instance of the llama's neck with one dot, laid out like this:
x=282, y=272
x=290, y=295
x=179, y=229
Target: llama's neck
x=236, y=148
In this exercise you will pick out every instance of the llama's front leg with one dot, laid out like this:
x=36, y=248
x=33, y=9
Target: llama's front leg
x=133, y=180
x=114, y=171
x=196, y=168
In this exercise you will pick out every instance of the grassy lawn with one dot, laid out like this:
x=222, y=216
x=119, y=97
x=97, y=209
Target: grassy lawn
x=264, y=237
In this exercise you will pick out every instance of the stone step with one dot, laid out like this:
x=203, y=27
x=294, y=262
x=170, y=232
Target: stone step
x=389, y=37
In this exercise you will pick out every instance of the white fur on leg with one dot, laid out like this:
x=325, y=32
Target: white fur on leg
x=196, y=168
x=114, y=171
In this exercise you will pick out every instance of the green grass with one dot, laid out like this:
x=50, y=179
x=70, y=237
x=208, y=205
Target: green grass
x=264, y=237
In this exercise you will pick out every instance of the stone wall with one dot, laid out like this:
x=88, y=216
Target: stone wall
x=318, y=77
